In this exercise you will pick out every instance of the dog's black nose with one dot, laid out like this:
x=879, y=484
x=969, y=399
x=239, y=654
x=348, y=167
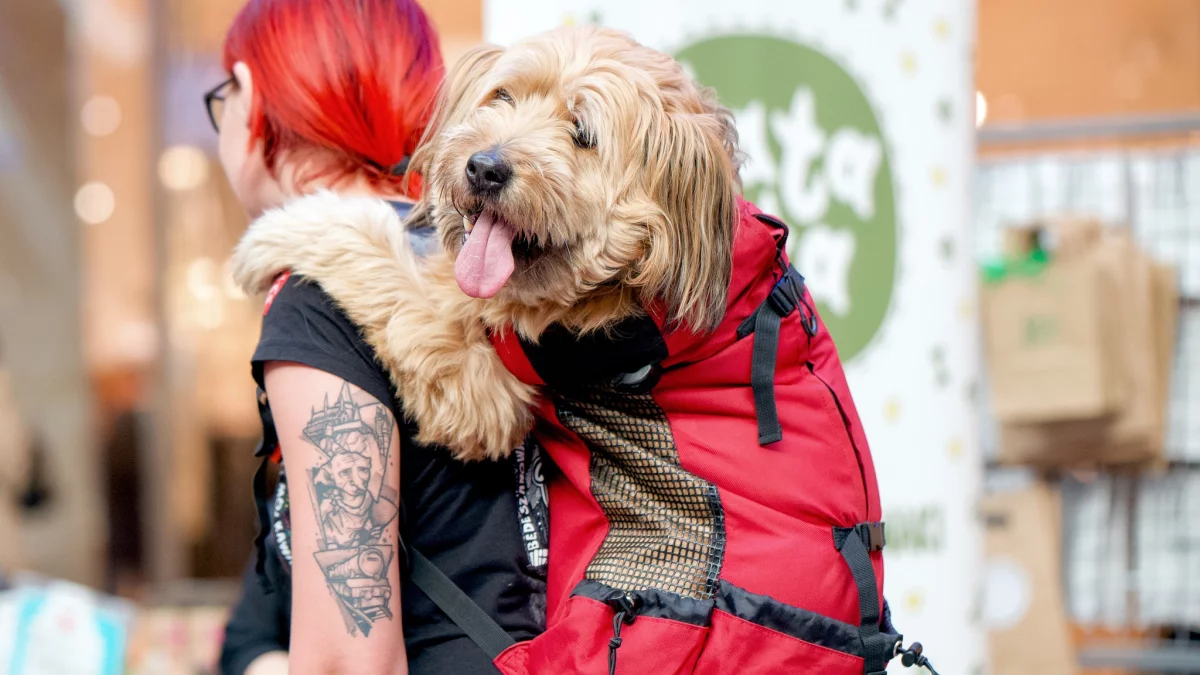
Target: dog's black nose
x=487, y=172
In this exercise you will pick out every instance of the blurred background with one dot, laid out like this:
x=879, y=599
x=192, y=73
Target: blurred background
x=1067, y=209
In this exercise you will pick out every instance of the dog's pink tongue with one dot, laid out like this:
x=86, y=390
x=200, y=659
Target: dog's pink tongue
x=486, y=259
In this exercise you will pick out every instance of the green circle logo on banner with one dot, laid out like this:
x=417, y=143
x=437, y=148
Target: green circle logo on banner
x=815, y=157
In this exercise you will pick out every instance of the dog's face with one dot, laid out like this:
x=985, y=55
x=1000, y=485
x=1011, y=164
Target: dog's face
x=580, y=168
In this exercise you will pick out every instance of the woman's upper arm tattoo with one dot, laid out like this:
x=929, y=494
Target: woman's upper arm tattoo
x=354, y=504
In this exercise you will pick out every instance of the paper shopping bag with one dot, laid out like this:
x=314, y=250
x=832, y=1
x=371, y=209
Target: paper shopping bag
x=1048, y=324
x=1024, y=611
x=1140, y=332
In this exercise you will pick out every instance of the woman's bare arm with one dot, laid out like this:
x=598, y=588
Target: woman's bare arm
x=341, y=454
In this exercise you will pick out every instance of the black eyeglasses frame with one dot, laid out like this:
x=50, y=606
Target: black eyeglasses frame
x=217, y=93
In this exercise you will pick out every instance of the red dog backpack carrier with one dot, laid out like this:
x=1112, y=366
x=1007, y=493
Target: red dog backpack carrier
x=716, y=509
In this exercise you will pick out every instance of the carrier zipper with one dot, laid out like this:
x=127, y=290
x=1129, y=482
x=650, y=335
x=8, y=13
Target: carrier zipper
x=862, y=470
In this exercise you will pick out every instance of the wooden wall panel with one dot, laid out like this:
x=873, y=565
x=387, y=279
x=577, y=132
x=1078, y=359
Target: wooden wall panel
x=1042, y=59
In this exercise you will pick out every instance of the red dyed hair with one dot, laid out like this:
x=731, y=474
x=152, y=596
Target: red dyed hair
x=351, y=80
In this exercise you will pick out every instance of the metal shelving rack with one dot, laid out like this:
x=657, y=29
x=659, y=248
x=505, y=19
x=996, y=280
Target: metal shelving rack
x=1156, y=192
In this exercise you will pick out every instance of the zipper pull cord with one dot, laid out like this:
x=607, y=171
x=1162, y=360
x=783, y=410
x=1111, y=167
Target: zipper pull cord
x=626, y=611
x=615, y=643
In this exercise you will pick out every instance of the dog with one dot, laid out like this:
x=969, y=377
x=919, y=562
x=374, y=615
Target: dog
x=600, y=274
x=575, y=179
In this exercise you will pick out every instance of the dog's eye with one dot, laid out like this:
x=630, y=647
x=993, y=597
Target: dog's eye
x=583, y=137
x=503, y=95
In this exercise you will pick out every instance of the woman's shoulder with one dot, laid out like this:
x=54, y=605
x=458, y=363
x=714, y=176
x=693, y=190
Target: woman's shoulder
x=303, y=324
x=294, y=305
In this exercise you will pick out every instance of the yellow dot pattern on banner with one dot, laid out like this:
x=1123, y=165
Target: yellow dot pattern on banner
x=941, y=28
x=914, y=601
x=966, y=309
x=908, y=61
x=955, y=449
x=891, y=411
x=938, y=176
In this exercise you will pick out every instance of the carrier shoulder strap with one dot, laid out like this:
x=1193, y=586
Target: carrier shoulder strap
x=462, y=610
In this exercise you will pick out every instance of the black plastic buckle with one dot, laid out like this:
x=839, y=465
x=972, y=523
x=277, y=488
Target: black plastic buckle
x=784, y=296
x=790, y=296
x=808, y=321
x=872, y=535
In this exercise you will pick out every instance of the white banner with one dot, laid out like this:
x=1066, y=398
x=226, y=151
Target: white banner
x=858, y=117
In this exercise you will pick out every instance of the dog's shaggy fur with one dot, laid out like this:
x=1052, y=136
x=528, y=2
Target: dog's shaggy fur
x=623, y=197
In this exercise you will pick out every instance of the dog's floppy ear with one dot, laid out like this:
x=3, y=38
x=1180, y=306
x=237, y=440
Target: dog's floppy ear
x=461, y=91
x=690, y=156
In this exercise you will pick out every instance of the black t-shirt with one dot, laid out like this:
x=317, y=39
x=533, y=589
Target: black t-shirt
x=261, y=620
x=468, y=519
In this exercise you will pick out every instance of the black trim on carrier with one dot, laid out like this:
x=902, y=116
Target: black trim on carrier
x=652, y=603
x=760, y=610
x=566, y=360
x=798, y=623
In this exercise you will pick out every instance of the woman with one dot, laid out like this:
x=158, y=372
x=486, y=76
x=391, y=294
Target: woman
x=335, y=96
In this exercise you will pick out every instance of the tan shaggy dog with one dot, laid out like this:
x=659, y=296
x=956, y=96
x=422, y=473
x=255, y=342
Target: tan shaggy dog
x=577, y=177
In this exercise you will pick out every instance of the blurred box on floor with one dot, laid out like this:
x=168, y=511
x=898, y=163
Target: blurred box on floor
x=1079, y=326
x=1023, y=607
x=180, y=628
x=53, y=627
x=60, y=628
x=177, y=641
